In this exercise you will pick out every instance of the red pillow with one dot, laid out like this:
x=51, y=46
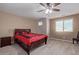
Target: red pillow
x=24, y=33
x=16, y=33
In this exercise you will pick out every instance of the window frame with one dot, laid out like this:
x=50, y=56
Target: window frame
x=63, y=24
x=55, y=26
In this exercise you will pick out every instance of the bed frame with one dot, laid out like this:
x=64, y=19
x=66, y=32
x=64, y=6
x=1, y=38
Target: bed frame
x=33, y=45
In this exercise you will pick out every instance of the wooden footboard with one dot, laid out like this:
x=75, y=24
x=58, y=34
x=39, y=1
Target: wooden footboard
x=33, y=45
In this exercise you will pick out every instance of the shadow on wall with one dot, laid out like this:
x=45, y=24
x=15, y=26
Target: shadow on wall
x=42, y=28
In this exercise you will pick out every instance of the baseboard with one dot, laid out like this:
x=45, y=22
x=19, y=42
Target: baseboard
x=61, y=39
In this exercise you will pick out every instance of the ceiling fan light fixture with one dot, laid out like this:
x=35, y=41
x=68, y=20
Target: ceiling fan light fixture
x=47, y=10
x=50, y=11
x=52, y=6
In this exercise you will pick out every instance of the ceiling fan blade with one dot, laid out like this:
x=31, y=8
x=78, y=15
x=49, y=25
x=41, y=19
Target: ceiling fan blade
x=56, y=4
x=56, y=9
x=40, y=10
x=42, y=4
x=48, y=4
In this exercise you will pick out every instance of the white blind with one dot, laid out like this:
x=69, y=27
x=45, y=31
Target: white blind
x=65, y=25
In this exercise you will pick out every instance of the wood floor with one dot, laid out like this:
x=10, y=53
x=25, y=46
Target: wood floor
x=54, y=47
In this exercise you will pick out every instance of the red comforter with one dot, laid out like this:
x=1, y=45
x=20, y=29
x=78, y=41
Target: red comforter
x=33, y=38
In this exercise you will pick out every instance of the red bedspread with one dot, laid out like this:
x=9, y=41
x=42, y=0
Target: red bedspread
x=33, y=38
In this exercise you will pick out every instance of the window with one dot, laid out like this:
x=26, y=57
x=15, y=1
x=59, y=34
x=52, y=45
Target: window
x=64, y=25
x=68, y=25
x=59, y=26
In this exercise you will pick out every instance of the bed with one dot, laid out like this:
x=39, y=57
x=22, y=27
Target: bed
x=28, y=40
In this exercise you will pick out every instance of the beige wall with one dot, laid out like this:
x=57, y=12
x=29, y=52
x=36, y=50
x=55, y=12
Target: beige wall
x=9, y=22
x=65, y=35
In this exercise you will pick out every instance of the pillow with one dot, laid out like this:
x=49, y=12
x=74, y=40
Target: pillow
x=26, y=36
x=24, y=33
x=20, y=33
x=28, y=31
x=16, y=33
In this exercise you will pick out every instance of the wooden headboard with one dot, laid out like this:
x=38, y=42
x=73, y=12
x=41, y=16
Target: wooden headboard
x=23, y=30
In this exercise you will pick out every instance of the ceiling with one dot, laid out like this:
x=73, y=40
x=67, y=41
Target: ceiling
x=30, y=9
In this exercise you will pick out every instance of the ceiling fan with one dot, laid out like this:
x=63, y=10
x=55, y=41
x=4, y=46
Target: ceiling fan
x=49, y=7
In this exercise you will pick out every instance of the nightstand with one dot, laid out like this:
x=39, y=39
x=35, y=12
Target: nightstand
x=4, y=41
